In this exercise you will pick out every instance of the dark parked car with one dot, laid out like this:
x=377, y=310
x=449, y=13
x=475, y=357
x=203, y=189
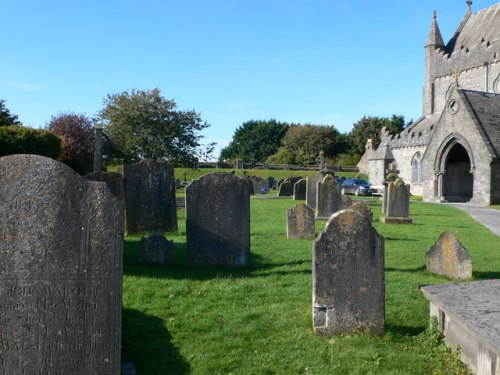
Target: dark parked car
x=357, y=186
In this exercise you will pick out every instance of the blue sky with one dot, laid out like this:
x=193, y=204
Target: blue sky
x=311, y=61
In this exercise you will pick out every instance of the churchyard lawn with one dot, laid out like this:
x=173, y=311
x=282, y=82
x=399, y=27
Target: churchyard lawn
x=257, y=320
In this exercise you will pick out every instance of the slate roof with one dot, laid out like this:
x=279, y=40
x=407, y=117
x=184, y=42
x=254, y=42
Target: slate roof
x=476, y=28
x=485, y=110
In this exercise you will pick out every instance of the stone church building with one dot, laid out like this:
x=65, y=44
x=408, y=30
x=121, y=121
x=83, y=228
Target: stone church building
x=452, y=152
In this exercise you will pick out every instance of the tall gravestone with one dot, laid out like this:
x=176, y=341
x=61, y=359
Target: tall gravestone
x=348, y=276
x=218, y=220
x=60, y=270
x=329, y=198
x=300, y=222
x=396, y=203
x=299, y=190
x=149, y=197
x=312, y=185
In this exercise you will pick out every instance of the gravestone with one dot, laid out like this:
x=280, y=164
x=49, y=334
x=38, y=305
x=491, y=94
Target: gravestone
x=363, y=210
x=312, y=187
x=178, y=184
x=155, y=249
x=251, y=185
x=285, y=189
x=149, y=197
x=299, y=190
x=218, y=220
x=61, y=253
x=113, y=180
x=272, y=182
x=300, y=222
x=329, y=198
x=449, y=257
x=348, y=276
x=396, y=203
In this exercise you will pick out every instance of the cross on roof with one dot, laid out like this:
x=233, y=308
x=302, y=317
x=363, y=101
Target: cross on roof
x=469, y=3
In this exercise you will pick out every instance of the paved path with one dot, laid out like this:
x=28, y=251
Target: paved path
x=489, y=217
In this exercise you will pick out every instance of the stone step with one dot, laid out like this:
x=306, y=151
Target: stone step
x=469, y=315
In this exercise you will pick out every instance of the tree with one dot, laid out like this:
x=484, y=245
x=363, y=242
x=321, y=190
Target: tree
x=6, y=118
x=144, y=125
x=306, y=141
x=282, y=156
x=255, y=140
x=370, y=127
x=205, y=153
x=77, y=135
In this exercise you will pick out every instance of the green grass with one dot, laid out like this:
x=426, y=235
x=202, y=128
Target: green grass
x=190, y=320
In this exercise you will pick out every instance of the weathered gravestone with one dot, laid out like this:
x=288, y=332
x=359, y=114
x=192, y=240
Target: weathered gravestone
x=363, y=210
x=348, y=276
x=449, y=257
x=218, y=220
x=114, y=182
x=329, y=198
x=149, y=197
x=300, y=222
x=312, y=185
x=299, y=190
x=60, y=270
x=155, y=249
x=396, y=203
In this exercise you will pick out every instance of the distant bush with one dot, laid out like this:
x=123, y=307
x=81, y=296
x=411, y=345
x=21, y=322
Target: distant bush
x=21, y=140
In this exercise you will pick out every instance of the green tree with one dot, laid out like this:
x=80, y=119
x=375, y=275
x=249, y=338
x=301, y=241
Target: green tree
x=77, y=134
x=282, y=156
x=144, y=125
x=6, y=118
x=370, y=127
x=255, y=140
x=306, y=141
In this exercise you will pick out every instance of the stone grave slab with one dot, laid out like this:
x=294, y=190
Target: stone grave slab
x=468, y=315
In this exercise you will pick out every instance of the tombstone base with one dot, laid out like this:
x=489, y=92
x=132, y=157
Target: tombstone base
x=323, y=325
x=395, y=220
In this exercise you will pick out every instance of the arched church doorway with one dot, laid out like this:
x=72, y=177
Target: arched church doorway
x=458, y=180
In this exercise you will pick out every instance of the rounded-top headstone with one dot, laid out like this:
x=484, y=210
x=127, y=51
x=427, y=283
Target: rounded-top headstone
x=60, y=270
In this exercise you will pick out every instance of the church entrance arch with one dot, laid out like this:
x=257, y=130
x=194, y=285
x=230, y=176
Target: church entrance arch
x=455, y=171
x=458, y=179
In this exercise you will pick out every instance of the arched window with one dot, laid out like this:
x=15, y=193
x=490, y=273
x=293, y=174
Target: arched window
x=417, y=168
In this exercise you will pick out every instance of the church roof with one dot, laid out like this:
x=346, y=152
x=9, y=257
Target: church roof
x=476, y=28
x=485, y=109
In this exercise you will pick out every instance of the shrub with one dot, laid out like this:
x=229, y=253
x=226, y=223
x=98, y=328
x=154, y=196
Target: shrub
x=22, y=140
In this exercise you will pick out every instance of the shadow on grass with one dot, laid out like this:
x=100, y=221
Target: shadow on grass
x=143, y=335
x=181, y=269
x=404, y=330
x=411, y=270
x=488, y=275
